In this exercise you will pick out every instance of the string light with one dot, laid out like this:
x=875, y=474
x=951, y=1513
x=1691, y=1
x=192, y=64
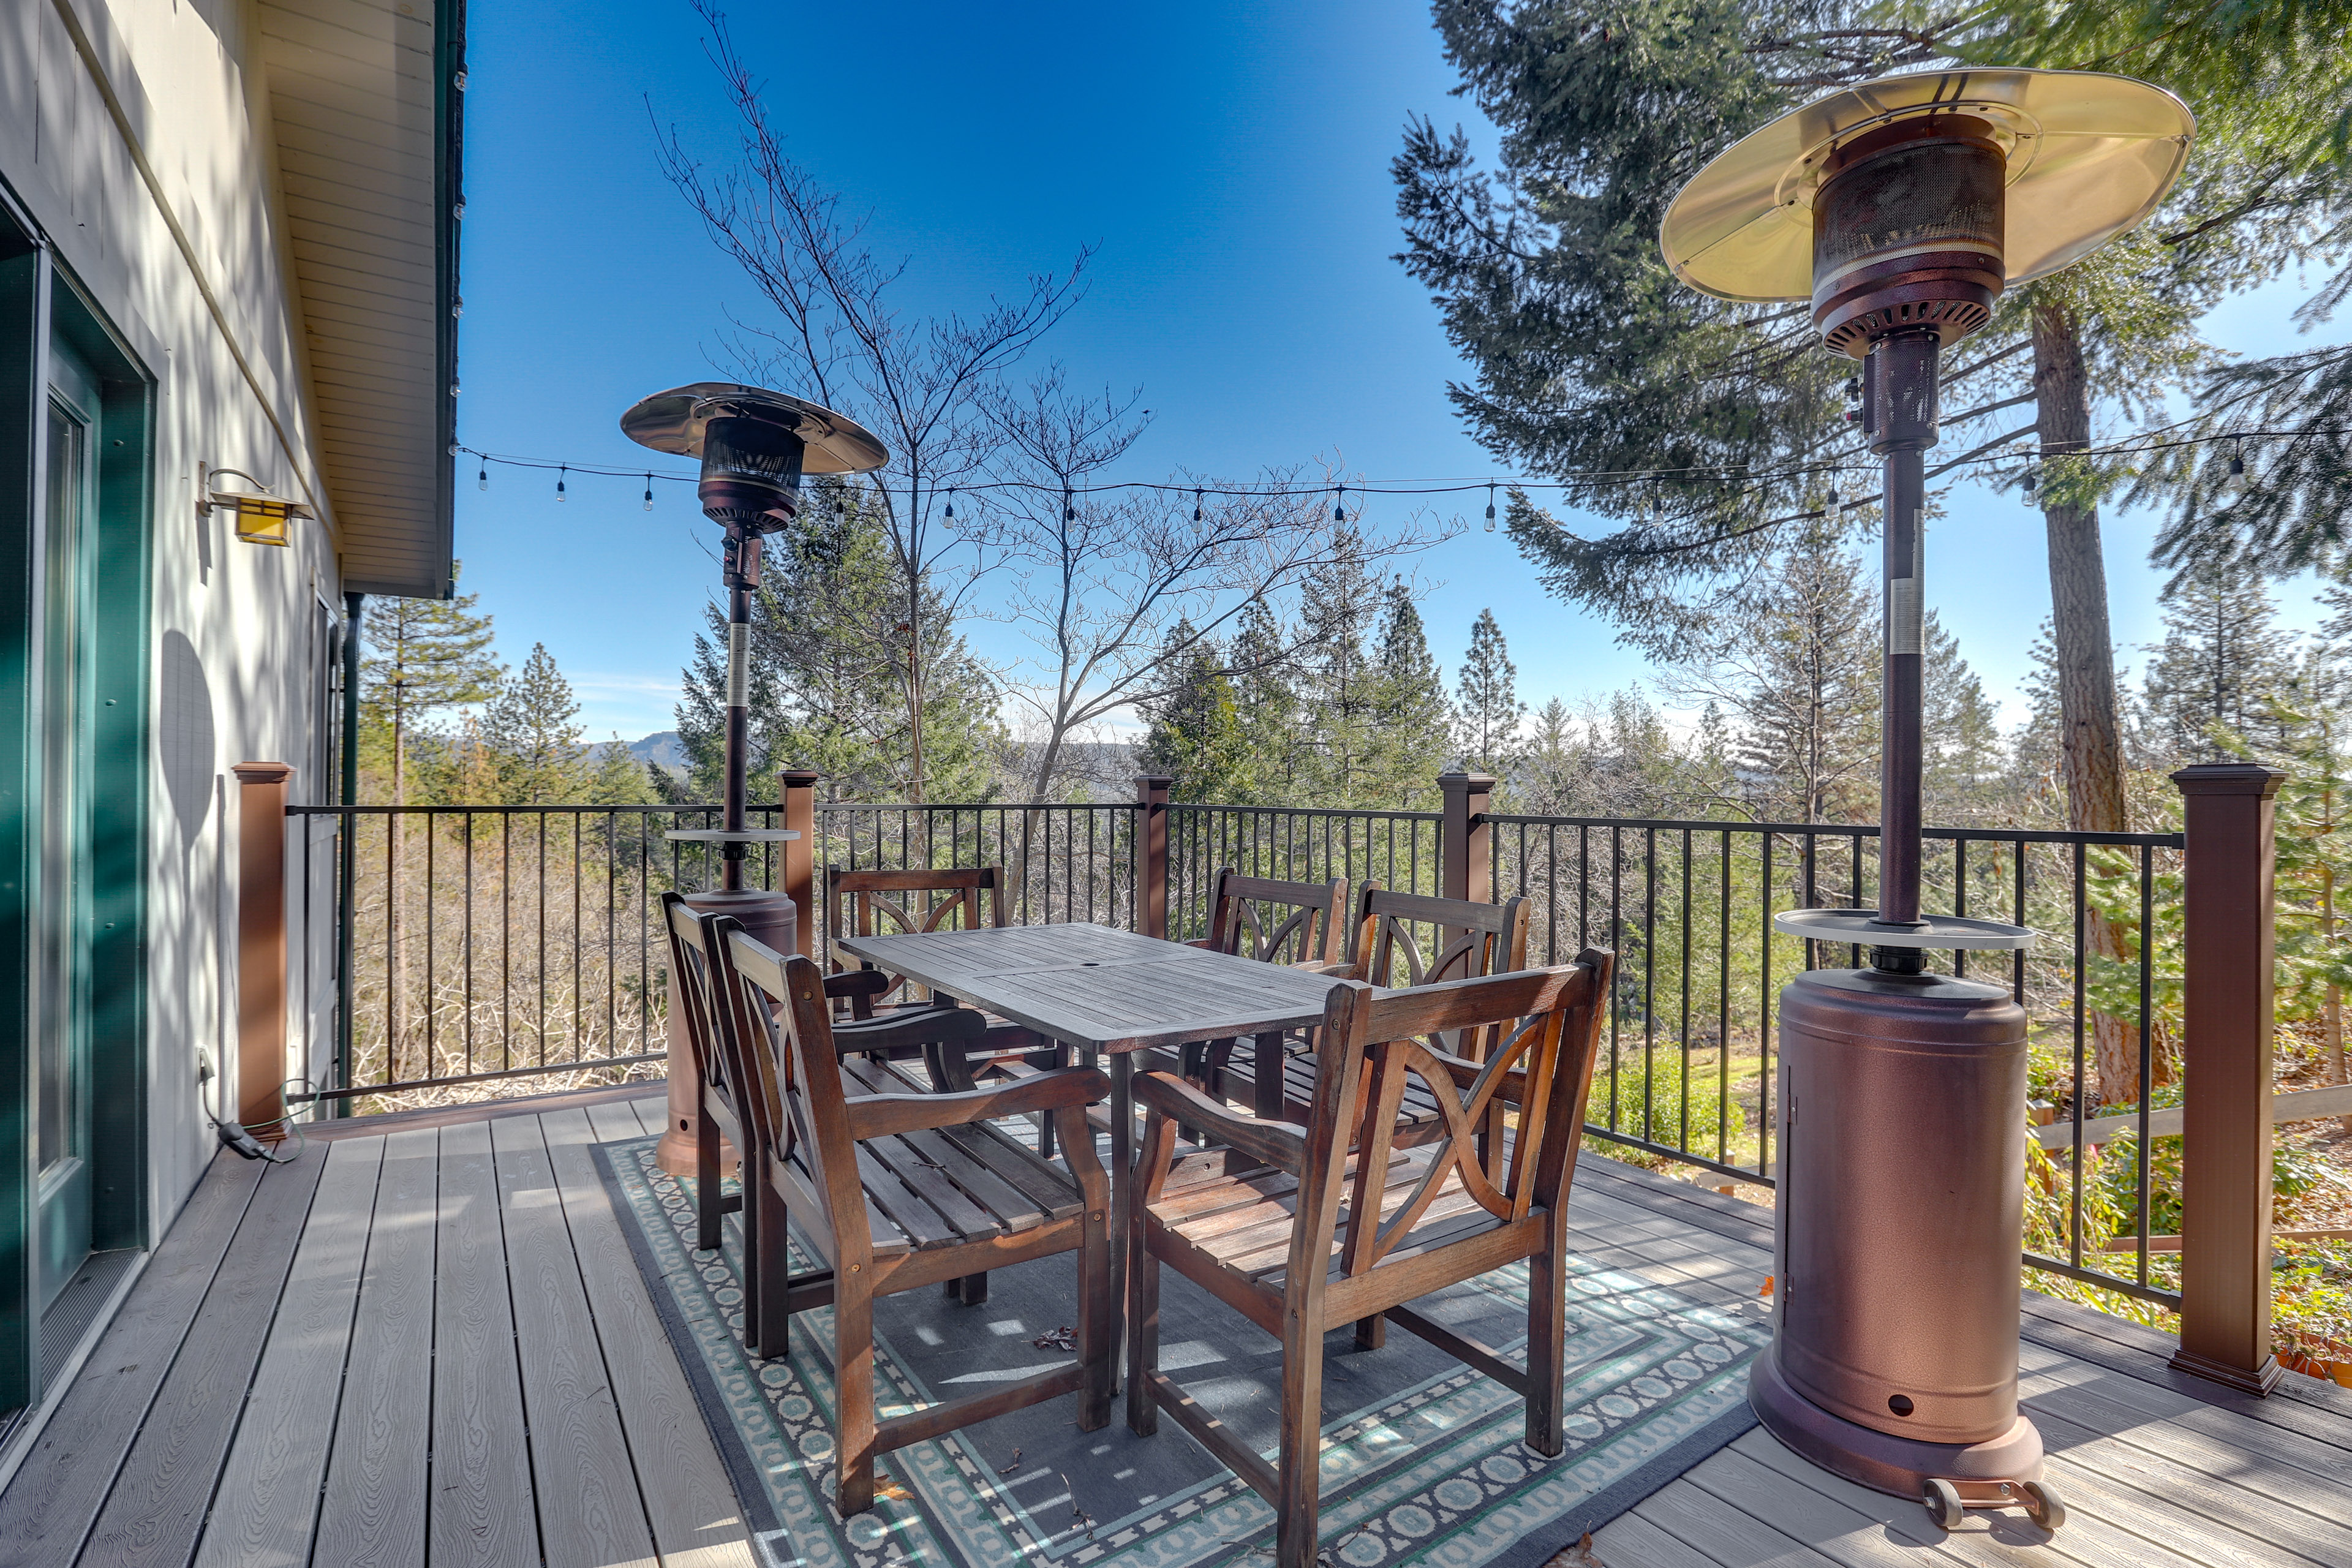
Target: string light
x=1196, y=506
x=482, y=480
x=1069, y=508
x=1490, y=508
x=2028, y=484
x=559, y=476
x=649, y=492
x=2237, y=458
x=952, y=503
x=1339, y=507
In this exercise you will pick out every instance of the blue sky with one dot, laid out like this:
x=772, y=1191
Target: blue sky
x=1230, y=163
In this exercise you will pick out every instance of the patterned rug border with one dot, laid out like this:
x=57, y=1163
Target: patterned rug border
x=760, y=1520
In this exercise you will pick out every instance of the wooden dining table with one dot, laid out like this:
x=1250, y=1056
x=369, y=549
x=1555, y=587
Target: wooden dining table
x=1105, y=991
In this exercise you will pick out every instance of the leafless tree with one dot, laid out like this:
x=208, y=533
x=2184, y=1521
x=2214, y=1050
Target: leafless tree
x=1117, y=586
x=916, y=382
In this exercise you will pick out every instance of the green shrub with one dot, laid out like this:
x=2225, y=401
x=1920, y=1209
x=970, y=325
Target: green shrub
x=1664, y=1120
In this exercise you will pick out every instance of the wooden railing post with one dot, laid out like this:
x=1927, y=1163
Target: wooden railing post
x=1466, y=843
x=2225, y=1189
x=798, y=787
x=261, y=948
x=1151, y=840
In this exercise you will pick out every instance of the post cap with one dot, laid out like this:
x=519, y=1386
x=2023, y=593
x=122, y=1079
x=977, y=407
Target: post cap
x=262, y=773
x=1461, y=780
x=798, y=778
x=1164, y=781
x=2228, y=778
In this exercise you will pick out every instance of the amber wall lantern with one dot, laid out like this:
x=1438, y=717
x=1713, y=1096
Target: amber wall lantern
x=261, y=518
x=1901, y=209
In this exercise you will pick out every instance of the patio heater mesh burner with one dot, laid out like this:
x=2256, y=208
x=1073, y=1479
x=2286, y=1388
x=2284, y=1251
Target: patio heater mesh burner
x=755, y=445
x=1901, y=209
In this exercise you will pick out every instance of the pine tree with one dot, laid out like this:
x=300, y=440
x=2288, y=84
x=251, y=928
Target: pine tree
x=829, y=686
x=532, y=729
x=1195, y=735
x=620, y=779
x=1265, y=692
x=1965, y=765
x=1338, y=711
x=1413, y=731
x=422, y=658
x=1795, y=672
x=2218, y=664
x=1489, y=699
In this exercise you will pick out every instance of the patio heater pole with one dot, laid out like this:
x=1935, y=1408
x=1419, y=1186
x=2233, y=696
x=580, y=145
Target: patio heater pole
x=1901, y=209
x=755, y=445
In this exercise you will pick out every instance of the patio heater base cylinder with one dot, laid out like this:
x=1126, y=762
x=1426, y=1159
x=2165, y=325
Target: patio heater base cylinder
x=1898, y=1230
x=769, y=917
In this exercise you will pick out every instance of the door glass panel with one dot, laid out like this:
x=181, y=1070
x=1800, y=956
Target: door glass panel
x=64, y=809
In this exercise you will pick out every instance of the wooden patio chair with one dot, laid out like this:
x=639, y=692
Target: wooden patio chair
x=1320, y=1236
x=895, y=1191
x=717, y=1098
x=1479, y=939
x=1272, y=922
x=914, y=900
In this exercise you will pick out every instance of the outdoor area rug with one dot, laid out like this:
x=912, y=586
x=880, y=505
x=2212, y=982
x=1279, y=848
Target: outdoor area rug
x=1423, y=1460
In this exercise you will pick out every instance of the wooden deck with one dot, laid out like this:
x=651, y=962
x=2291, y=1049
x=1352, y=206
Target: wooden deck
x=431, y=1346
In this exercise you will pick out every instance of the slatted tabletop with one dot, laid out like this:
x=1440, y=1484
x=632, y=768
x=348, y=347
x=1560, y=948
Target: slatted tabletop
x=1101, y=989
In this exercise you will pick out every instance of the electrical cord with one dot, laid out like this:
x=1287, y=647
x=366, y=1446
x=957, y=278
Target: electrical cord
x=237, y=1137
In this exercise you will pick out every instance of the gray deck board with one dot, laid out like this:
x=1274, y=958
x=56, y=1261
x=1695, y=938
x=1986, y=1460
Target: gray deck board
x=695, y=1520
x=157, y=1508
x=482, y=1513
x=490, y=1253
x=58, y=1492
x=266, y=1504
x=580, y=1459
x=373, y=1509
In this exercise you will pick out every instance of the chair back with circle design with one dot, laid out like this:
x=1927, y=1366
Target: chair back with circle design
x=1276, y=922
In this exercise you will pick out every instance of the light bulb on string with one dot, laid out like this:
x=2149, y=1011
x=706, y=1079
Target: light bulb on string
x=649, y=492
x=2237, y=458
x=1069, y=506
x=559, y=474
x=482, y=480
x=1490, y=508
x=1196, y=506
x=1339, y=507
x=952, y=503
x=2028, y=484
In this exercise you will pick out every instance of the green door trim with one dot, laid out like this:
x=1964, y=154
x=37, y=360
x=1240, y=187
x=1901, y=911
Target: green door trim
x=40, y=304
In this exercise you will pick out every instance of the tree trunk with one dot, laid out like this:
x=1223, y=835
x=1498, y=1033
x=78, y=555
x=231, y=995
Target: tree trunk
x=2090, y=739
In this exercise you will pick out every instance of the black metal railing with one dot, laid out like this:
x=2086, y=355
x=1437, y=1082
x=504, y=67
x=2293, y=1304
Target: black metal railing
x=1687, y=1070
x=483, y=944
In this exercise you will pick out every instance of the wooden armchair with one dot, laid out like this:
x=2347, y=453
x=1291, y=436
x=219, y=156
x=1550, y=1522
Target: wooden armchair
x=1321, y=1238
x=895, y=1191
x=1478, y=940
x=872, y=903
x=1273, y=923
x=717, y=1098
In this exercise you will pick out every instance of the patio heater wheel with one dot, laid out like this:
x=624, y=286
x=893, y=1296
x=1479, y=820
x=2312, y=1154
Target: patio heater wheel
x=1902, y=208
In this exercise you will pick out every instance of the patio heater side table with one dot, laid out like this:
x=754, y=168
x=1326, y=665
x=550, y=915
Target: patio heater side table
x=754, y=445
x=1901, y=209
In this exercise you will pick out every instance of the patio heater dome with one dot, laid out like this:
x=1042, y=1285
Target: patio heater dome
x=1901, y=209
x=754, y=445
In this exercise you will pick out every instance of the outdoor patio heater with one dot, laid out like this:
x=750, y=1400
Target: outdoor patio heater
x=1901, y=209
x=754, y=445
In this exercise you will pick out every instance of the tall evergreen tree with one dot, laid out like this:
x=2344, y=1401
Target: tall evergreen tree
x=620, y=779
x=1795, y=673
x=1965, y=762
x=1266, y=690
x=1413, y=731
x=1339, y=707
x=2220, y=664
x=1488, y=698
x=1195, y=735
x=532, y=729
x=830, y=684
x=421, y=657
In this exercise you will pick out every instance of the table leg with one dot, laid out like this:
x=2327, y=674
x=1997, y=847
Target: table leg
x=1122, y=1175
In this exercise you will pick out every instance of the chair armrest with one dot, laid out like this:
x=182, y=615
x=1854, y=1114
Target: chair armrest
x=880, y=1115
x=912, y=1026
x=1278, y=1143
x=857, y=983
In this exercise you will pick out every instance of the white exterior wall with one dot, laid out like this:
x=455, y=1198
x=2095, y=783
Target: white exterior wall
x=185, y=76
